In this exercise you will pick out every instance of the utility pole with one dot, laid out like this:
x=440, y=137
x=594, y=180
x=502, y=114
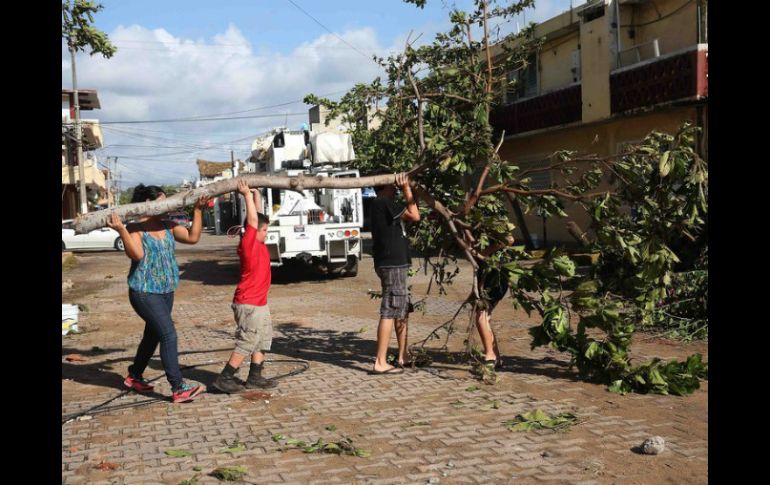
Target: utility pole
x=236, y=199
x=111, y=196
x=78, y=134
x=117, y=197
x=78, y=31
x=116, y=184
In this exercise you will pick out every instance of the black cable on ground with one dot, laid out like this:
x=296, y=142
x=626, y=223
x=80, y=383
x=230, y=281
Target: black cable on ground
x=99, y=408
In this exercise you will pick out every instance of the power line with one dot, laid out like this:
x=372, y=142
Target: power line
x=183, y=44
x=271, y=106
x=177, y=143
x=146, y=159
x=180, y=120
x=329, y=30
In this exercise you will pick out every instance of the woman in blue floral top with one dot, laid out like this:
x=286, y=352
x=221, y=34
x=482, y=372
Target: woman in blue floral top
x=152, y=280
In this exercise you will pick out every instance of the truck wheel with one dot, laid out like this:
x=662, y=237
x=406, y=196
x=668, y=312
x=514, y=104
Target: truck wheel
x=351, y=269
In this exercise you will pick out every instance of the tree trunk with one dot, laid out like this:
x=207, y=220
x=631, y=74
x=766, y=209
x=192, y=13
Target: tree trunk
x=95, y=220
x=576, y=232
x=520, y=219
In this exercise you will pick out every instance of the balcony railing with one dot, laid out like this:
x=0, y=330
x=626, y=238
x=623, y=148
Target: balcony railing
x=676, y=76
x=639, y=53
x=550, y=109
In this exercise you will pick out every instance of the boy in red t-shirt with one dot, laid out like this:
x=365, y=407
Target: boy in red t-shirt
x=254, y=334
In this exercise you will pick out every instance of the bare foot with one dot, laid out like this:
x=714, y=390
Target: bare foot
x=387, y=370
x=382, y=368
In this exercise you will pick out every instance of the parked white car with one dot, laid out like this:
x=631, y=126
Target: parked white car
x=104, y=238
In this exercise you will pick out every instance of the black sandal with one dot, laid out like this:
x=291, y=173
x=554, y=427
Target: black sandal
x=392, y=370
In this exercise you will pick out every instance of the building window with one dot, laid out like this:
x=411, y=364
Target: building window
x=526, y=81
x=593, y=13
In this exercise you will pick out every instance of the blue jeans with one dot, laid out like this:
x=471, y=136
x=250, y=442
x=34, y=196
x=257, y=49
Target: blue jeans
x=155, y=310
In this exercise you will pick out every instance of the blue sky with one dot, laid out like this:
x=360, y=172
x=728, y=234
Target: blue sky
x=179, y=59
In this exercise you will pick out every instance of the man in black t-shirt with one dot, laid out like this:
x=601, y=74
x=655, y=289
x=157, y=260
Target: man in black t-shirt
x=391, y=262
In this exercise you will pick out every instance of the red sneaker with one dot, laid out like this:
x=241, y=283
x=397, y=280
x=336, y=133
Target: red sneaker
x=139, y=384
x=186, y=392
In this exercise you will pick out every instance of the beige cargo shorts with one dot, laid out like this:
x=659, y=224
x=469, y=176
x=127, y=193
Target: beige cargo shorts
x=255, y=328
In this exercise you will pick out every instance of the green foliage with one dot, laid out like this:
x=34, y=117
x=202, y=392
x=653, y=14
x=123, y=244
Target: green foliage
x=343, y=446
x=538, y=419
x=77, y=29
x=432, y=109
x=234, y=447
x=634, y=283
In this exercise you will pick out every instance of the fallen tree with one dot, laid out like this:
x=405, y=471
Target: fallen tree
x=440, y=99
x=95, y=220
x=645, y=204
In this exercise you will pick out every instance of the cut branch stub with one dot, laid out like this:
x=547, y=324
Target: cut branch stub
x=95, y=220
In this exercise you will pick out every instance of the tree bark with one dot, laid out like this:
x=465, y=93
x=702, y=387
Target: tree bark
x=520, y=218
x=98, y=219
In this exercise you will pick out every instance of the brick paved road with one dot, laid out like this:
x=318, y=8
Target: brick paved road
x=421, y=427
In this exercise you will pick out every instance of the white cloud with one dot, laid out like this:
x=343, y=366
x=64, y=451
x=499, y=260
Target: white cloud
x=156, y=75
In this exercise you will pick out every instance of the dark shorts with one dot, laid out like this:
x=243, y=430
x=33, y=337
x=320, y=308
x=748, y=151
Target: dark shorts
x=395, y=296
x=495, y=287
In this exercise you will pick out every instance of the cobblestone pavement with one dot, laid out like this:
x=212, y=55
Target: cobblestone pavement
x=429, y=425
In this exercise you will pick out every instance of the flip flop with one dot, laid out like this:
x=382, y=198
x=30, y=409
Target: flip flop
x=392, y=370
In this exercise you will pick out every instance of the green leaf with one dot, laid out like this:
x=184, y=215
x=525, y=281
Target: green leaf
x=664, y=165
x=618, y=387
x=480, y=113
x=592, y=349
x=234, y=449
x=332, y=448
x=564, y=266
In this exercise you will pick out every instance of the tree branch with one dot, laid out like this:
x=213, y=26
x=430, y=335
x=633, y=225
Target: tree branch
x=506, y=188
x=489, y=55
x=420, y=128
x=470, y=253
x=95, y=220
x=437, y=95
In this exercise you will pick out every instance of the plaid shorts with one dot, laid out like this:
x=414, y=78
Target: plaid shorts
x=395, y=296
